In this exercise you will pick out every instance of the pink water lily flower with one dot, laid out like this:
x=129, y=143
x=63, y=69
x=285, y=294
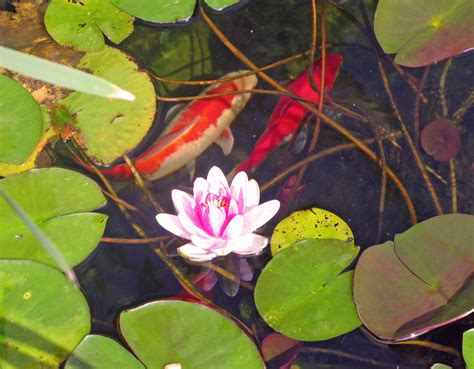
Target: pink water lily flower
x=219, y=219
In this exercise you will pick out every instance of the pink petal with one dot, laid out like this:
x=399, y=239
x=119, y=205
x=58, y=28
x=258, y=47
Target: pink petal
x=260, y=215
x=172, y=224
x=205, y=242
x=217, y=182
x=253, y=195
x=215, y=220
x=234, y=228
x=239, y=185
x=223, y=249
x=200, y=186
x=183, y=203
x=249, y=244
x=194, y=253
x=190, y=227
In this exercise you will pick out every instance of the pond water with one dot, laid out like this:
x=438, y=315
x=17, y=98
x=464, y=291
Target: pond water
x=119, y=276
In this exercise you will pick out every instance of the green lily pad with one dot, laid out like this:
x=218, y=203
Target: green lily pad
x=441, y=366
x=158, y=11
x=468, y=348
x=43, y=316
x=303, y=294
x=108, y=129
x=425, y=277
x=220, y=4
x=193, y=335
x=59, y=201
x=81, y=23
x=312, y=223
x=20, y=122
x=424, y=31
x=100, y=352
x=175, y=52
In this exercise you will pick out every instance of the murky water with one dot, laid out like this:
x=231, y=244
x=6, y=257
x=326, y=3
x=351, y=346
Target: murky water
x=348, y=183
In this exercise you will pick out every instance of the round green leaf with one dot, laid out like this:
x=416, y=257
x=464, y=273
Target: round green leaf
x=195, y=336
x=81, y=23
x=468, y=348
x=312, y=223
x=302, y=293
x=424, y=31
x=158, y=11
x=20, y=122
x=110, y=128
x=43, y=316
x=59, y=201
x=100, y=352
x=425, y=277
x=220, y=4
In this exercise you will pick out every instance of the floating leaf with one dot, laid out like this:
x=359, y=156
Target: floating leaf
x=108, y=129
x=425, y=277
x=221, y=4
x=100, y=352
x=424, y=31
x=312, y=223
x=59, y=200
x=302, y=293
x=158, y=11
x=468, y=348
x=81, y=23
x=281, y=351
x=441, y=139
x=43, y=316
x=441, y=366
x=195, y=336
x=20, y=122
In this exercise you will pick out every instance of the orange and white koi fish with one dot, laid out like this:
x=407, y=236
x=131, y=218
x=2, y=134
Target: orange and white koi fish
x=192, y=130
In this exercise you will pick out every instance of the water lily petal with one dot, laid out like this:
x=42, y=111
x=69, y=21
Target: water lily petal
x=260, y=215
x=252, y=197
x=234, y=228
x=194, y=253
x=217, y=182
x=200, y=186
x=239, y=184
x=172, y=224
x=206, y=242
x=183, y=203
x=223, y=249
x=249, y=244
x=215, y=219
x=190, y=227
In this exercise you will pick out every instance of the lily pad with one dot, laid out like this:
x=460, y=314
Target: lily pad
x=81, y=23
x=221, y=4
x=100, y=352
x=108, y=129
x=20, y=122
x=424, y=31
x=158, y=11
x=312, y=223
x=280, y=351
x=43, y=316
x=441, y=139
x=193, y=335
x=468, y=348
x=425, y=277
x=59, y=201
x=303, y=294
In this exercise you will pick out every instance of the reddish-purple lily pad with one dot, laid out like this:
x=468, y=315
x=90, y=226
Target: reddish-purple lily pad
x=422, y=32
x=280, y=351
x=441, y=139
x=421, y=281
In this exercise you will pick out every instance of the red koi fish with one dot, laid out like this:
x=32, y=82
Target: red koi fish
x=288, y=113
x=192, y=130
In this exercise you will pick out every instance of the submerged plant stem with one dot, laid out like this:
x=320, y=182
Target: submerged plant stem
x=326, y=351
x=332, y=123
x=228, y=275
x=454, y=192
x=134, y=241
x=431, y=345
x=442, y=87
x=416, y=111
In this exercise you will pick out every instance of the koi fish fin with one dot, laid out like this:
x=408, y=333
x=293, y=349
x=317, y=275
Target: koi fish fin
x=173, y=112
x=225, y=141
x=301, y=139
x=191, y=169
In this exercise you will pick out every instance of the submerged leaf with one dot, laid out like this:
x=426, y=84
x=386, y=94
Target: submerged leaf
x=425, y=277
x=20, y=122
x=441, y=139
x=158, y=11
x=108, y=129
x=43, y=316
x=424, y=31
x=303, y=294
x=81, y=23
x=197, y=337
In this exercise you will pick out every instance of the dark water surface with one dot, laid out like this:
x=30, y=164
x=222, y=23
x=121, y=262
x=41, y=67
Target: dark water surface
x=117, y=276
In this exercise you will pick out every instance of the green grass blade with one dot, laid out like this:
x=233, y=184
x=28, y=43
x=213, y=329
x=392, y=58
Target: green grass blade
x=59, y=74
x=42, y=238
